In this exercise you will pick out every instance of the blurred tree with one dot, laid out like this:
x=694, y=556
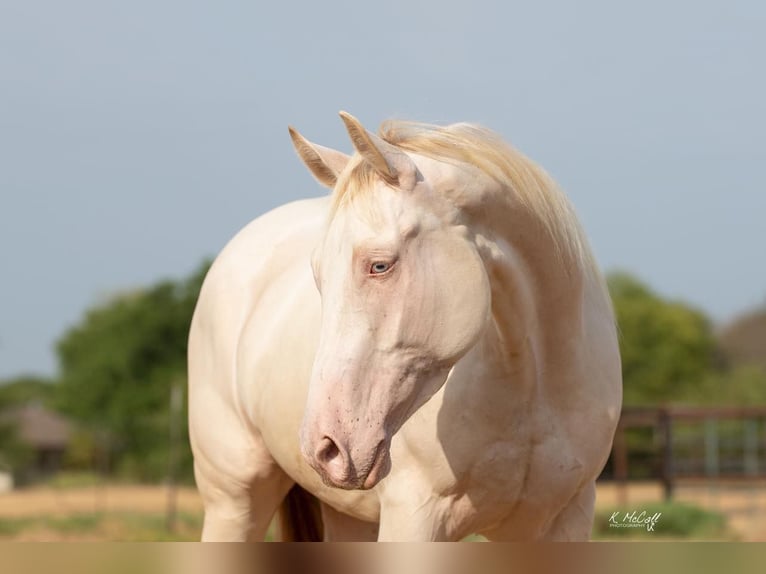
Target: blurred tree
x=82, y=453
x=14, y=454
x=25, y=389
x=15, y=393
x=117, y=369
x=743, y=341
x=667, y=347
x=741, y=386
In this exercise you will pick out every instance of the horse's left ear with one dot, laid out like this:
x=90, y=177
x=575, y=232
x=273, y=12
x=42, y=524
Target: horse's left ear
x=389, y=161
x=324, y=163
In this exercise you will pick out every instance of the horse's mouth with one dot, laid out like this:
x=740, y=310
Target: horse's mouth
x=381, y=466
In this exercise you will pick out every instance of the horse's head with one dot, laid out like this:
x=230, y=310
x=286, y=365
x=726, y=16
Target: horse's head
x=404, y=296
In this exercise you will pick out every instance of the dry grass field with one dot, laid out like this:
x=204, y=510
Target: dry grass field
x=137, y=513
x=98, y=513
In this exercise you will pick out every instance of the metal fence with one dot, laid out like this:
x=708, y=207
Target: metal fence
x=673, y=443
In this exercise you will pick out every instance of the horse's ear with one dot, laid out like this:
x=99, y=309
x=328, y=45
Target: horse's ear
x=324, y=163
x=390, y=162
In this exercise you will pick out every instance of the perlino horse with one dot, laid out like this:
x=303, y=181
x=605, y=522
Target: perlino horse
x=428, y=352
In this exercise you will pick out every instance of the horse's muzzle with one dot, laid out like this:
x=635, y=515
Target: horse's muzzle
x=332, y=460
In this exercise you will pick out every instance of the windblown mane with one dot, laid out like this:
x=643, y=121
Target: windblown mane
x=520, y=178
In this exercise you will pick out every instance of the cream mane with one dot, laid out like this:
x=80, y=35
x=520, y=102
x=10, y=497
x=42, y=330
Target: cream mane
x=521, y=179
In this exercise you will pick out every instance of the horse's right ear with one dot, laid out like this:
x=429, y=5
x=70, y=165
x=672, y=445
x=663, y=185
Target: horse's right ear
x=324, y=163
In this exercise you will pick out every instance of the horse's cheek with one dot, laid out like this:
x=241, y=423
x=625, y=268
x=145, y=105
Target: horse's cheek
x=462, y=301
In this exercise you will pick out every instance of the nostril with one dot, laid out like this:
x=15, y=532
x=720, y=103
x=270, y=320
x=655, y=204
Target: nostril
x=332, y=462
x=327, y=450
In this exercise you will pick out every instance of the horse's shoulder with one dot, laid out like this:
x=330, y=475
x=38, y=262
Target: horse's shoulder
x=251, y=261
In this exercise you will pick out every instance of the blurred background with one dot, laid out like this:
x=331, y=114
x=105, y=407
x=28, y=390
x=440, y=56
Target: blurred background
x=137, y=138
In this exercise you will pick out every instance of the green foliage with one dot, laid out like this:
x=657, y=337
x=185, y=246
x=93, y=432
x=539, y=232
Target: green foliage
x=26, y=389
x=82, y=452
x=17, y=392
x=667, y=347
x=677, y=520
x=14, y=454
x=123, y=526
x=70, y=524
x=670, y=353
x=75, y=523
x=117, y=369
x=742, y=386
x=12, y=526
x=68, y=480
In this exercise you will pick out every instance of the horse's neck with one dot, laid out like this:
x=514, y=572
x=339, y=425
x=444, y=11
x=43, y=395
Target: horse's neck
x=537, y=308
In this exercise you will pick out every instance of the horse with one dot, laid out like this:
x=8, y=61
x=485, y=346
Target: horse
x=427, y=352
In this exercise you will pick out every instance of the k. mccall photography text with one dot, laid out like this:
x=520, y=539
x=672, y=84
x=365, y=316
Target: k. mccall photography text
x=634, y=519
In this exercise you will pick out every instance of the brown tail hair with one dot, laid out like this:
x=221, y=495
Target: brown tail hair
x=300, y=517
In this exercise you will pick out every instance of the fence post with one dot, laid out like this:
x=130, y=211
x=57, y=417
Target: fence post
x=712, y=462
x=712, y=465
x=174, y=420
x=666, y=429
x=620, y=450
x=750, y=453
x=750, y=450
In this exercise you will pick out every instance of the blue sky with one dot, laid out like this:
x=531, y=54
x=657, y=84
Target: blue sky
x=137, y=137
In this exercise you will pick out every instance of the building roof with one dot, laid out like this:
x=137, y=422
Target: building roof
x=40, y=427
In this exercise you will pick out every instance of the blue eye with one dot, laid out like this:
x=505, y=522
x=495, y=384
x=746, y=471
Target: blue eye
x=379, y=267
